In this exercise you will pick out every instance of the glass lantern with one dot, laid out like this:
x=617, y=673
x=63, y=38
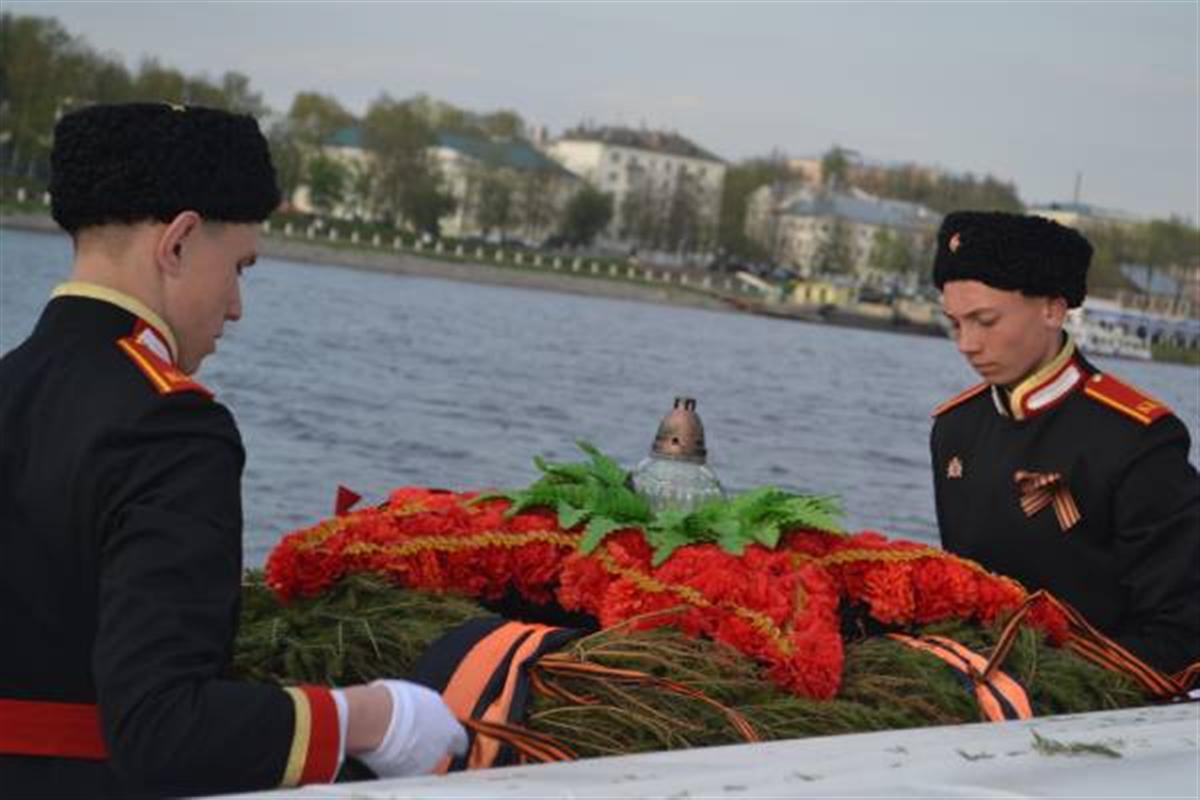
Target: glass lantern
x=675, y=475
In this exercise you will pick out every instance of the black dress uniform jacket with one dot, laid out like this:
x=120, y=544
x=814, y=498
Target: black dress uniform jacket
x=120, y=569
x=1131, y=563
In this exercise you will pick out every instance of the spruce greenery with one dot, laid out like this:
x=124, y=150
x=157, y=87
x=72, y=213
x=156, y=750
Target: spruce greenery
x=364, y=628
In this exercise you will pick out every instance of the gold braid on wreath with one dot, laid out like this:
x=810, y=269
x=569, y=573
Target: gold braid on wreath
x=750, y=619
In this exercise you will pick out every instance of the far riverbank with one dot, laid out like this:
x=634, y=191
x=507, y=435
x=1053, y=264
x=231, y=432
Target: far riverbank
x=542, y=271
x=580, y=279
x=567, y=273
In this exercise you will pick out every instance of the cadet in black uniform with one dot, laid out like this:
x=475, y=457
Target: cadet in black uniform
x=1051, y=471
x=120, y=507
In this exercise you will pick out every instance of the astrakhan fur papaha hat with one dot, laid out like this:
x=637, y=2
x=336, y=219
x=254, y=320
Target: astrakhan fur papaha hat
x=136, y=162
x=1032, y=255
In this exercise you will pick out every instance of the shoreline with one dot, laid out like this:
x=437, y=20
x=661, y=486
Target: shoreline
x=578, y=276
x=482, y=272
x=402, y=262
x=584, y=277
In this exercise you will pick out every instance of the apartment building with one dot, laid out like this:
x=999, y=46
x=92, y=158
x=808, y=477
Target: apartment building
x=800, y=225
x=666, y=189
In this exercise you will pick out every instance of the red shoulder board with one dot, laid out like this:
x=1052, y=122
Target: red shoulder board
x=1129, y=400
x=959, y=399
x=164, y=376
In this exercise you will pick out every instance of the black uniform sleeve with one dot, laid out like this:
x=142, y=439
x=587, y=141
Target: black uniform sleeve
x=1156, y=513
x=170, y=578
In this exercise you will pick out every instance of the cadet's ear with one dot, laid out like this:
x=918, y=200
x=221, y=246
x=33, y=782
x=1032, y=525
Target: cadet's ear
x=169, y=252
x=1056, y=311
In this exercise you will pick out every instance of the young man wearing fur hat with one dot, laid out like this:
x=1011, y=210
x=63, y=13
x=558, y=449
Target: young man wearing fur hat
x=1051, y=471
x=120, y=501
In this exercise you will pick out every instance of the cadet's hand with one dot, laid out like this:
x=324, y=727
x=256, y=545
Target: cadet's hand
x=421, y=733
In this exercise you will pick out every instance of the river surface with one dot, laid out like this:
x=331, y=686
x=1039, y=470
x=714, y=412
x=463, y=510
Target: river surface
x=375, y=381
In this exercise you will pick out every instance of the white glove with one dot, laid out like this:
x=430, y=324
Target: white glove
x=422, y=732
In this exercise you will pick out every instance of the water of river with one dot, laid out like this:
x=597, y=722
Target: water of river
x=376, y=381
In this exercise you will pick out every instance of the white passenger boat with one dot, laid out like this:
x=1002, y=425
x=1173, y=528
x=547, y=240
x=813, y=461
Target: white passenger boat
x=1096, y=337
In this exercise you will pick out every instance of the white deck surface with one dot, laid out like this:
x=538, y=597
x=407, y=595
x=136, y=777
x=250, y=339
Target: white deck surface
x=1159, y=756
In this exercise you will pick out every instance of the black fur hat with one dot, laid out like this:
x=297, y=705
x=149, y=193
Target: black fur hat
x=136, y=162
x=1032, y=255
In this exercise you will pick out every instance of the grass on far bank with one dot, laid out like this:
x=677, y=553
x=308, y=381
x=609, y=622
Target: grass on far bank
x=1175, y=354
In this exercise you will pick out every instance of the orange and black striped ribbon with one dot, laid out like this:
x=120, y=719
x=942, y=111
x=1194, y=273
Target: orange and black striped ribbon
x=1039, y=490
x=1089, y=643
x=530, y=745
x=1000, y=697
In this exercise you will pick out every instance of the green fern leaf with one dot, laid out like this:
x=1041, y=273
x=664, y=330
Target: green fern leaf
x=731, y=536
x=539, y=495
x=671, y=520
x=562, y=473
x=608, y=471
x=665, y=542
x=596, y=530
x=495, y=494
x=767, y=534
x=569, y=516
x=621, y=503
x=817, y=512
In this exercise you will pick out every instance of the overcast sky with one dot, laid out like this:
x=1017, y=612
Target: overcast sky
x=1032, y=93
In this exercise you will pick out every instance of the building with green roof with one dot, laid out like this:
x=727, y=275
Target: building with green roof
x=502, y=188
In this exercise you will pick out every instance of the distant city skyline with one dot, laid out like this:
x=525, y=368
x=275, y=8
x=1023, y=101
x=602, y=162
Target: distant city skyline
x=1035, y=94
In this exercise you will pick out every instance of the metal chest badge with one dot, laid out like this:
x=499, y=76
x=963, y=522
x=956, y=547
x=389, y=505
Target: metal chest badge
x=954, y=468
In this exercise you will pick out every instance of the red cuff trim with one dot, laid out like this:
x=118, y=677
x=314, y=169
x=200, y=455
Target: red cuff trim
x=324, y=742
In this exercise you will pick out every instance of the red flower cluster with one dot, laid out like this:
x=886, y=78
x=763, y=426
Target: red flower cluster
x=777, y=606
x=760, y=603
x=427, y=539
x=906, y=583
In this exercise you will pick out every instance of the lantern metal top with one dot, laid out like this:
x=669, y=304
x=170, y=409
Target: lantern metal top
x=681, y=434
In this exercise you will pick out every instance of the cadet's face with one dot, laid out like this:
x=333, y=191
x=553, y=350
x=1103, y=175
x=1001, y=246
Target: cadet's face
x=206, y=293
x=1005, y=335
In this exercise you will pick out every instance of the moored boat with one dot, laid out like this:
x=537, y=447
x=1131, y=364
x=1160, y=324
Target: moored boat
x=1095, y=337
